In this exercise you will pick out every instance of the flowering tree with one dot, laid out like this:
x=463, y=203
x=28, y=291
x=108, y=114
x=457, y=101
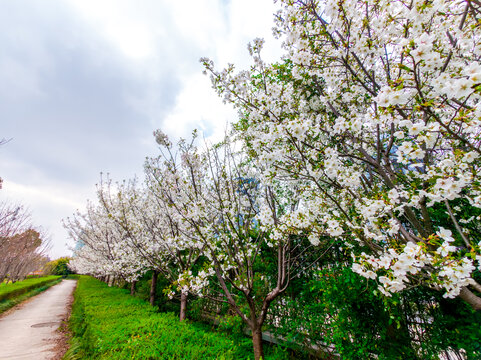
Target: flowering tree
x=104, y=251
x=181, y=252
x=238, y=224
x=375, y=107
x=134, y=230
x=22, y=247
x=131, y=211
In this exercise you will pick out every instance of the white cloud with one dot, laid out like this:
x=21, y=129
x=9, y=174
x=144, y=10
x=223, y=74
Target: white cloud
x=41, y=195
x=198, y=107
x=142, y=54
x=217, y=30
x=122, y=23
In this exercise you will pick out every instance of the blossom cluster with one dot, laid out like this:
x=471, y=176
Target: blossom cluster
x=373, y=111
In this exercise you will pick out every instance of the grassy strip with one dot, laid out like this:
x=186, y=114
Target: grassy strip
x=11, y=302
x=108, y=323
x=12, y=291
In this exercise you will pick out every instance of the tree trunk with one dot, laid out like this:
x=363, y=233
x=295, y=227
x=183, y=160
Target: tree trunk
x=257, y=342
x=132, y=287
x=183, y=306
x=470, y=298
x=153, y=287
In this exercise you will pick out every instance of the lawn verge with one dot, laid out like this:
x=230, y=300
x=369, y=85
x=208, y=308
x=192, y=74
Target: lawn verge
x=108, y=323
x=14, y=294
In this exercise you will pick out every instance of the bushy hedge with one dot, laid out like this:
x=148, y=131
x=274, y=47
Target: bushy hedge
x=58, y=267
x=340, y=309
x=108, y=323
x=10, y=291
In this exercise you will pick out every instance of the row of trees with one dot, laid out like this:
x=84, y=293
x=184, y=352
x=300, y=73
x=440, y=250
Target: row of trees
x=205, y=222
x=22, y=246
x=360, y=149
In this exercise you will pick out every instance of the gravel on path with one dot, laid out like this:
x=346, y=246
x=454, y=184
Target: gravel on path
x=28, y=331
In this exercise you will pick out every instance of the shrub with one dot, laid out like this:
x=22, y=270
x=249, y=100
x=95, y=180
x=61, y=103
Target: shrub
x=58, y=267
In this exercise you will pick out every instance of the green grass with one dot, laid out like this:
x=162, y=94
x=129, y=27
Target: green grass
x=13, y=294
x=108, y=323
x=11, y=290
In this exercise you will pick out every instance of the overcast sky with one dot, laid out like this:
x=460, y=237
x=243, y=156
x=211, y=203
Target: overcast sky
x=84, y=83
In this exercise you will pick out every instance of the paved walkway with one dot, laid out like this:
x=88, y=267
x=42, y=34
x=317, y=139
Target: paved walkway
x=28, y=332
